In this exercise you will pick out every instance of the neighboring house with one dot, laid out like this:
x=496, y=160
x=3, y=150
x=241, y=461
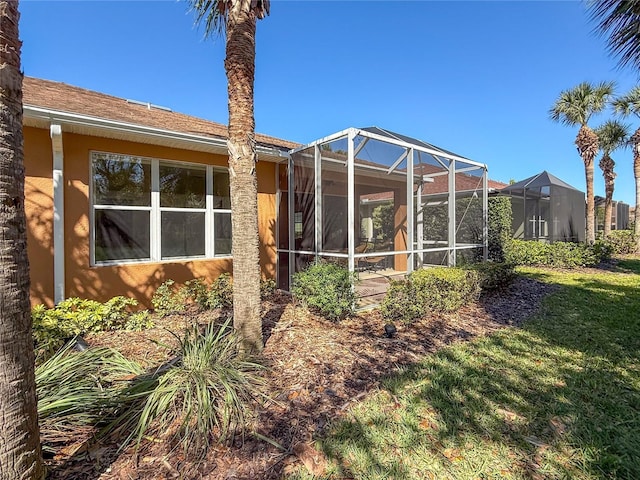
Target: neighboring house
x=122, y=195
x=546, y=208
x=619, y=214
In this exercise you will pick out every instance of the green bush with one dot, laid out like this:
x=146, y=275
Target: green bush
x=198, y=291
x=399, y=303
x=494, y=275
x=204, y=394
x=558, y=254
x=622, y=242
x=168, y=299
x=499, y=227
x=75, y=316
x=267, y=288
x=326, y=288
x=437, y=289
x=443, y=289
x=221, y=292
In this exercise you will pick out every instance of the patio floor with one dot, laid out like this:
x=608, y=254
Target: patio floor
x=372, y=286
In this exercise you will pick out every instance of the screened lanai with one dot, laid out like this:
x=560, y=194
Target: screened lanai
x=380, y=203
x=546, y=209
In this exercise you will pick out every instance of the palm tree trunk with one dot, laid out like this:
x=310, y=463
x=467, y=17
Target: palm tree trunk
x=587, y=143
x=20, y=456
x=607, y=165
x=240, y=67
x=635, y=141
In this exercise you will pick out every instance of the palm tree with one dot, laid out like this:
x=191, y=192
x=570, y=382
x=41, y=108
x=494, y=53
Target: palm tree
x=626, y=105
x=575, y=107
x=611, y=136
x=619, y=19
x=20, y=456
x=238, y=19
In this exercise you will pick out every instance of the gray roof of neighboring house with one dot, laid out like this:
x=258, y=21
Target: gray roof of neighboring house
x=542, y=179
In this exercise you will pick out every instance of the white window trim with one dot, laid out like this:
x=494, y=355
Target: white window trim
x=155, y=213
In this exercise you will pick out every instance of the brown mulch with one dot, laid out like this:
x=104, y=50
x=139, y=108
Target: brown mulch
x=317, y=370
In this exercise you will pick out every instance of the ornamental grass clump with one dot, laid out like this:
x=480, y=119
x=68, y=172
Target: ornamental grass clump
x=77, y=392
x=200, y=397
x=326, y=288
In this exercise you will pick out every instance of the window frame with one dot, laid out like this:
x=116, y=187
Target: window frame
x=155, y=212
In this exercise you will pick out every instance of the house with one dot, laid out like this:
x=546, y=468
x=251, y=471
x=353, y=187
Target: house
x=122, y=195
x=619, y=214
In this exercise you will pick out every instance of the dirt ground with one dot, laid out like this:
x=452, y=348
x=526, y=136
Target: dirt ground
x=317, y=369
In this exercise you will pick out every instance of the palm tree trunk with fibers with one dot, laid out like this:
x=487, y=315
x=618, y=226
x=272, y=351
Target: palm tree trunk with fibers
x=20, y=456
x=587, y=143
x=635, y=141
x=240, y=68
x=607, y=165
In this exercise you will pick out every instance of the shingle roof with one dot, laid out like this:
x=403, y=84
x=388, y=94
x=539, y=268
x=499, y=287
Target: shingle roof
x=69, y=99
x=542, y=179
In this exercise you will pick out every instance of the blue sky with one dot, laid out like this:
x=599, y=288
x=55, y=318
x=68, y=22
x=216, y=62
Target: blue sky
x=476, y=77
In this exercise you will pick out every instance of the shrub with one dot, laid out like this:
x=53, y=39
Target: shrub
x=76, y=391
x=267, y=288
x=198, y=291
x=205, y=393
x=168, y=299
x=499, y=227
x=558, y=254
x=494, y=275
x=443, y=289
x=622, y=242
x=326, y=288
x=75, y=316
x=399, y=303
x=437, y=289
x=221, y=292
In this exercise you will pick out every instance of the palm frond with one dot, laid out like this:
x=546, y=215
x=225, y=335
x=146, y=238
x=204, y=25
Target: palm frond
x=619, y=19
x=576, y=105
x=612, y=135
x=628, y=104
x=213, y=13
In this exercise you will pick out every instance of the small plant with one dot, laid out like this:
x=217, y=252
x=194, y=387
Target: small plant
x=221, y=292
x=198, y=291
x=139, y=321
x=326, y=288
x=52, y=327
x=167, y=299
x=203, y=395
x=267, y=288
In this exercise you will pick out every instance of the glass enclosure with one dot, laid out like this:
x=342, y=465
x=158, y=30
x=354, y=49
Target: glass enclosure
x=380, y=203
x=546, y=209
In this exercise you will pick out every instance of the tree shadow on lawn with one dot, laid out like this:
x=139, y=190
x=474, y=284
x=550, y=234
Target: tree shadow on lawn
x=559, y=397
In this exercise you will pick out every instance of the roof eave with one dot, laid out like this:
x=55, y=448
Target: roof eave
x=145, y=134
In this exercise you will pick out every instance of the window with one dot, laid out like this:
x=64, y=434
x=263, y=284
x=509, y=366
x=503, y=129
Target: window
x=149, y=210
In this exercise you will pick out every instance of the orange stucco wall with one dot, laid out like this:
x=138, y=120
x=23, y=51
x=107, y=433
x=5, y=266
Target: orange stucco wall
x=103, y=282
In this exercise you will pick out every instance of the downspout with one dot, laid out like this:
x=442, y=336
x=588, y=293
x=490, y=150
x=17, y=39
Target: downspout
x=58, y=213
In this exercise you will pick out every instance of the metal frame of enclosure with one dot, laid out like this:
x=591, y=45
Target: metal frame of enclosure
x=343, y=198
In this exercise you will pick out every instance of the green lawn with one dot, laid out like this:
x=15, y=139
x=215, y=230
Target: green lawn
x=559, y=398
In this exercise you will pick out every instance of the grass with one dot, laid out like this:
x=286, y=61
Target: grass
x=558, y=398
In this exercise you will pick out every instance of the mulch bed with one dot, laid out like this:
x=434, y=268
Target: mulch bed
x=317, y=369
